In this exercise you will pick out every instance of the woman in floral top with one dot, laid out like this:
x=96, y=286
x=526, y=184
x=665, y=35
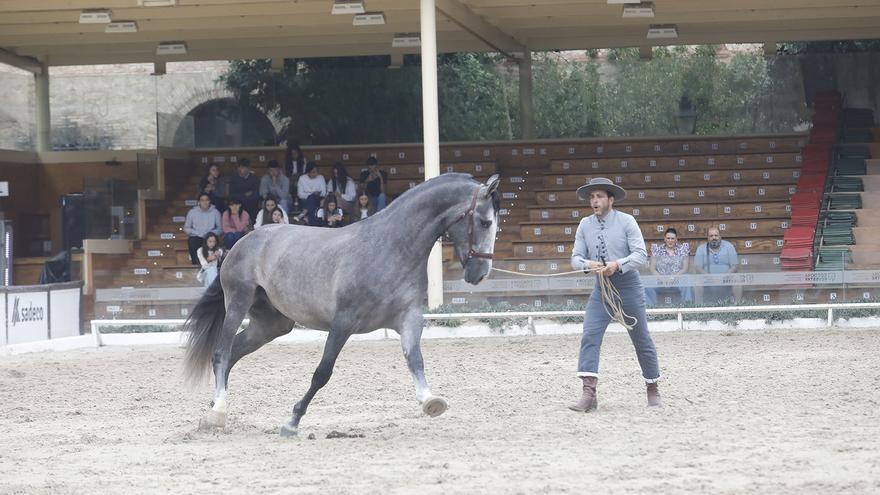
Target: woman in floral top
x=670, y=258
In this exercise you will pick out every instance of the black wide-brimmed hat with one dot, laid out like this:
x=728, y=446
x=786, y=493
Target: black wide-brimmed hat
x=602, y=184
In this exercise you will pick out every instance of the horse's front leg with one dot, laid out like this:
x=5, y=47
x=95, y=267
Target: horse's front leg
x=410, y=339
x=335, y=340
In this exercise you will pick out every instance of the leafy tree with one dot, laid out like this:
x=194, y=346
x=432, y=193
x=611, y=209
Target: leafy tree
x=360, y=100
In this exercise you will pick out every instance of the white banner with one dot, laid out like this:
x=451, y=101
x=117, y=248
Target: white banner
x=27, y=316
x=64, y=317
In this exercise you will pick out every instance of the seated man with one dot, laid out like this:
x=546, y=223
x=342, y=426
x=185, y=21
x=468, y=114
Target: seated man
x=311, y=189
x=200, y=221
x=716, y=257
x=275, y=183
x=246, y=186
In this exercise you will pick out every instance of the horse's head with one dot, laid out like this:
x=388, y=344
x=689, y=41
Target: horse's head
x=474, y=233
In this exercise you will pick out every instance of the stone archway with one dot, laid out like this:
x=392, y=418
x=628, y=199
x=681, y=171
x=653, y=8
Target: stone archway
x=182, y=102
x=223, y=123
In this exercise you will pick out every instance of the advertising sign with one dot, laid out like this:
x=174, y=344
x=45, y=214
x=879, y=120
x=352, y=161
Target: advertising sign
x=27, y=315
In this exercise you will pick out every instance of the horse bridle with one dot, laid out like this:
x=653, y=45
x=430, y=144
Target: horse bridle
x=470, y=212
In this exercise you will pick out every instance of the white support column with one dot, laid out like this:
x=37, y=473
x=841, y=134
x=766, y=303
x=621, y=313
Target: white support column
x=44, y=130
x=527, y=126
x=431, y=139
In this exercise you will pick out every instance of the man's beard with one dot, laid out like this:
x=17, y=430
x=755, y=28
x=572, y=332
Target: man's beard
x=714, y=244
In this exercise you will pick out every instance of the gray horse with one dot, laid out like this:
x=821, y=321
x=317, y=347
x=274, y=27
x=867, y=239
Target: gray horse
x=366, y=276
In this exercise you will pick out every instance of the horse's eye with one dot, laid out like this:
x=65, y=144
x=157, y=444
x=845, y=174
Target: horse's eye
x=485, y=224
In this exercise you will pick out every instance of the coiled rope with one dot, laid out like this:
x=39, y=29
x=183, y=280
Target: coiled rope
x=610, y=295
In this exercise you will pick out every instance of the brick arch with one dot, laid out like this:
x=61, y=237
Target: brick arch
x=183, y=103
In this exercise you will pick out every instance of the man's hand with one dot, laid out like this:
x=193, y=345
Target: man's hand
x=592, y=266
x=610, y=269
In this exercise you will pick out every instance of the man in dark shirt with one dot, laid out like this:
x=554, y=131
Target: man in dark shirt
x=373, y=182
x=246, y=186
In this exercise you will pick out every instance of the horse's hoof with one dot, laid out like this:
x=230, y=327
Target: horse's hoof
x=434, y=406
x=288, y=431
x=214, y=419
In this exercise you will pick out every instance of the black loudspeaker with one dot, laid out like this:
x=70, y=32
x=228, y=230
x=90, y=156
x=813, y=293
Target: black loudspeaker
x=73, y=220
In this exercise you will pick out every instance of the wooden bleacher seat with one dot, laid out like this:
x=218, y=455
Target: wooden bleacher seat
x=674, y=163
x=680, y=179
x=671, y=213
x=665, y=196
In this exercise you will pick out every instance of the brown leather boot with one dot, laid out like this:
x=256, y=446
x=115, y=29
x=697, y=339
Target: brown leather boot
x=588, y=400
x=653, y=395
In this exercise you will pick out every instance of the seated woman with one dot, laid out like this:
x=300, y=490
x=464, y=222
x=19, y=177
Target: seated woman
x=209, y=258
x=670, y=258
x=362, y=209
x=236, y=223
x=278, y=215
x=342, y=187
x=265, y=214
x=330, y=215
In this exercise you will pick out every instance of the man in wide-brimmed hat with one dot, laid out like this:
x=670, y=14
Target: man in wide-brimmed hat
x=610, y=243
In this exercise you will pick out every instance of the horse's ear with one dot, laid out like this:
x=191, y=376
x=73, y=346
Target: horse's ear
x=492, y=184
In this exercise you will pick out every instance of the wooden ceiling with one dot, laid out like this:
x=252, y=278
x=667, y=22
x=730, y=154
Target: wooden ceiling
x=49, y=30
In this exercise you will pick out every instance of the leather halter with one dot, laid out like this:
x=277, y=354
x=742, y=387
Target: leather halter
x=470, y=213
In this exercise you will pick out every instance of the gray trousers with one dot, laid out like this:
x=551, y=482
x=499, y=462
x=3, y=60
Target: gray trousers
x=596, y=320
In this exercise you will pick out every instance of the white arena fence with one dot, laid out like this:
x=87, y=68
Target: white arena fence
x=97, y=326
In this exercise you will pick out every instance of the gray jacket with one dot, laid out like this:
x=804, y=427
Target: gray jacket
x=199, y=222
x=281, y=189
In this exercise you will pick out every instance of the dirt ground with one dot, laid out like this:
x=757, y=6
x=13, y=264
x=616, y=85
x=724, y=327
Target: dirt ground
x=752, y=412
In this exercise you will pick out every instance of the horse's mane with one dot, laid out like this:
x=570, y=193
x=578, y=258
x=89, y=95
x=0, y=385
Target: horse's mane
x=439, y=181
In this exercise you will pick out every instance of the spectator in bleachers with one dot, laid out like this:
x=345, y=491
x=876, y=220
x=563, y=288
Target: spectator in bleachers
x=209, y=256
x=236, y=223
x=342, y=187
x=311, y=189
x=669, y=258
x=201, y=220
x=363, y=209
x=716, y=256
x=246, y=186
x=294, y=167
x=331, y=214
x=373, y=182
x=278, y=215
x=215, y=185
x=265, y=215
x=276, y=184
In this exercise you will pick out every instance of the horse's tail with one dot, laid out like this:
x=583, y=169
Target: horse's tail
x=204, y=327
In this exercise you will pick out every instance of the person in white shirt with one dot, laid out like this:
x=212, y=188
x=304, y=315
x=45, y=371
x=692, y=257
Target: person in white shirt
x=264, y=217
x=311, y=189
x=209, y=256
x=331, y=214
x=364, y=209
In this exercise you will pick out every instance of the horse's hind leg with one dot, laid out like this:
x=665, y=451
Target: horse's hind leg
x=267, y=323
x=336, y=339
x=410, y=341
x=238, y=302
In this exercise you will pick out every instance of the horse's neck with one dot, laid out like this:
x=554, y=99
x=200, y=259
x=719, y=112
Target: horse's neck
x=419, y=223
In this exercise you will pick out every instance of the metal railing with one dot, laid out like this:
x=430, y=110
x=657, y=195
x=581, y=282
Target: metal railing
x=829, y=308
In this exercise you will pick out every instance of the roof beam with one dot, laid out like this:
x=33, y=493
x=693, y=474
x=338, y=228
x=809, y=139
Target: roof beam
x=29, y=64
x=464, y=17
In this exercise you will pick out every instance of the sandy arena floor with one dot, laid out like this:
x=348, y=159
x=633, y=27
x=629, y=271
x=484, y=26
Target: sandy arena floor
x=775, y=412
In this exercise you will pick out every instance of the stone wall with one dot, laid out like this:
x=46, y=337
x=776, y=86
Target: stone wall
x=108, y=106
x=17, y=116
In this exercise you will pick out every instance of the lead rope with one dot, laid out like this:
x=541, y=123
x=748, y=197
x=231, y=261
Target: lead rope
x=610, y=295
